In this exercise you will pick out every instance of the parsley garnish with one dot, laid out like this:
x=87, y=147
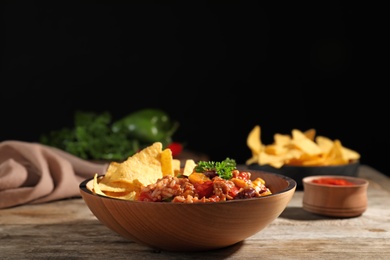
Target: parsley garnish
x=223, y=169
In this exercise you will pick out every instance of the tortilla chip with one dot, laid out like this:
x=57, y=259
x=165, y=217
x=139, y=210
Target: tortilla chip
x=176, y=166
x=310, y=133
x=144, y=166
x=167, y=162
x=189, y=167
x=253, y=140
x=305, y=144
x=301, y=148
x=335, y=155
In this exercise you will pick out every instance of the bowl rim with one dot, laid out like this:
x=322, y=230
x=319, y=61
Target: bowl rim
x=356, y=162
x=292, y=185
x=357, y=181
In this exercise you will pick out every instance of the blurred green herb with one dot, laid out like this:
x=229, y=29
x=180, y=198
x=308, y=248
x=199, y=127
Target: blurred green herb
x=97, y=137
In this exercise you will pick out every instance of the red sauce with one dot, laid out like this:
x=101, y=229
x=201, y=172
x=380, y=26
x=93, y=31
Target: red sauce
x=333, y=181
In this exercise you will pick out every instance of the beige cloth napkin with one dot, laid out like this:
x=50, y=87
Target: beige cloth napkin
x=32, y=173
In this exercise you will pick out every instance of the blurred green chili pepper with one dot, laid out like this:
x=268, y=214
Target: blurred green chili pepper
x=147, y=125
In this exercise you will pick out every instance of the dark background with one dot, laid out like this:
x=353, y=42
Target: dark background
x=218, y=69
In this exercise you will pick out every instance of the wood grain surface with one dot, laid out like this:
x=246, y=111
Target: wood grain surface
x=67, y=229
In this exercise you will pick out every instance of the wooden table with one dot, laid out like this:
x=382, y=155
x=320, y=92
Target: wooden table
x=67, y=229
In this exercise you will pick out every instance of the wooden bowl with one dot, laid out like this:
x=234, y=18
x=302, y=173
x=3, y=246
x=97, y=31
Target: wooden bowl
x=335, y=200
x=191, y=227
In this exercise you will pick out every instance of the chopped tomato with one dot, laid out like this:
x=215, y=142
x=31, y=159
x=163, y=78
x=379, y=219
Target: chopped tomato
x=204, y=189
x=145, y=196
x=244, y=175
x=233, y=191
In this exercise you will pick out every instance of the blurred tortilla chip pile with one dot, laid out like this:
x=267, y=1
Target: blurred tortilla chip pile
x=124, y=180
x=299, y=149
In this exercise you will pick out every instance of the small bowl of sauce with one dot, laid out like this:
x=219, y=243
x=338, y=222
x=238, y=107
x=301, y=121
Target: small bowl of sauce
x=334, y=195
